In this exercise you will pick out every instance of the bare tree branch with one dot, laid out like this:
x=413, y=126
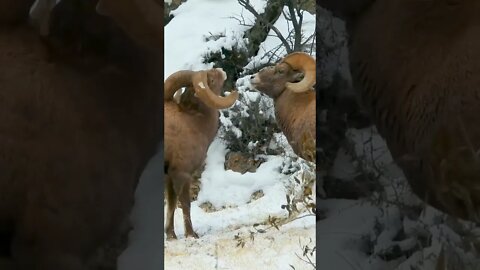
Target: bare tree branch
x=246, y=4
x=241, y=20
x=292, y=40
x=292, y=6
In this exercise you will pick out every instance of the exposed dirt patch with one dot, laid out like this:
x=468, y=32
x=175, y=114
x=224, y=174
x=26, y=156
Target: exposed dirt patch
x=241, y=162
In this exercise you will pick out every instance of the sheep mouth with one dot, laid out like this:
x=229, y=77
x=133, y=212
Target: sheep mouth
x=254, y=81
x=254, y=86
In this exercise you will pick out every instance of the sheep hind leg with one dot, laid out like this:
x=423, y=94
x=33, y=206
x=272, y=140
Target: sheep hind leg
x=172, y=199
x=185, y=200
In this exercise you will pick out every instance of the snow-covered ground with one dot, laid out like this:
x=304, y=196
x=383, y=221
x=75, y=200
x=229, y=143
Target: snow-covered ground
x=235, y=232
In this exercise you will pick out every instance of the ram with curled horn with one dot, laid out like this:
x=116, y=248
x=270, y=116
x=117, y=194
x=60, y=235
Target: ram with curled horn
x=189, y=132
x=290, y=84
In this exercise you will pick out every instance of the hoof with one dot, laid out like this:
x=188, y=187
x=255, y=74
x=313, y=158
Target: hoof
x=171, y=236
x=192, y=234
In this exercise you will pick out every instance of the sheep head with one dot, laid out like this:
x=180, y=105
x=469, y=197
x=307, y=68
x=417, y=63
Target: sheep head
x=207, y=85
x=285, y=75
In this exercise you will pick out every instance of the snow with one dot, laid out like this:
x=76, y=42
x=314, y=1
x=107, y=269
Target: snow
x=235, y=189
x=270, y=250
x=194, y=22
x=232, y=211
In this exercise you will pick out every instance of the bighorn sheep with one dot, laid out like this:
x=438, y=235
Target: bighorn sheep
x=294, y=101
x=75, y=133
x=188, y=134
x=415, y=64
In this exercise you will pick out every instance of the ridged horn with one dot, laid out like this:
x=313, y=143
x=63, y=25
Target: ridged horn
x=305, y=63
x=207, y=96
x=176, y=81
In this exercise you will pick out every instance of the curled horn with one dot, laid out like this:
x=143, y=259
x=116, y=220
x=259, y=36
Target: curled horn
x=305, y=63
x=207, y=96
x=176, y=81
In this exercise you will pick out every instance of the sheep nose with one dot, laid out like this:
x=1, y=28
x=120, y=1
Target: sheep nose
x=252, y=77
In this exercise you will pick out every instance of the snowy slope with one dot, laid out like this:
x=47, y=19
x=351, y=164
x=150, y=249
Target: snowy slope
x=194, y=22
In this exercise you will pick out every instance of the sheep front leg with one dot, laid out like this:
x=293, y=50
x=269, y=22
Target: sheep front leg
x=181, y=184
x=172, y=199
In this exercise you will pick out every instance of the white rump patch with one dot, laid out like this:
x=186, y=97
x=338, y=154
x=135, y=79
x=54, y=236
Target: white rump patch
x=224, y=74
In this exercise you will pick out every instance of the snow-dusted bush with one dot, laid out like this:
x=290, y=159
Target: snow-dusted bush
x=249, y=126
x=231, y=61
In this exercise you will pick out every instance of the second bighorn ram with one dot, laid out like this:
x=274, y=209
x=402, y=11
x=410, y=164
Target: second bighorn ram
x=189, y=130
x=295, y=104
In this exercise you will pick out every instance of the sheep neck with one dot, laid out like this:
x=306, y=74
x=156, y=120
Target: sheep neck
x=287, y=106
